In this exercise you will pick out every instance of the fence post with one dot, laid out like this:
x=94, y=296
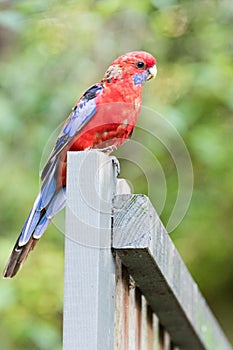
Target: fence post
x=89, y=284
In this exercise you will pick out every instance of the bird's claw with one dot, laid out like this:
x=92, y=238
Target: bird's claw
x=108, y=149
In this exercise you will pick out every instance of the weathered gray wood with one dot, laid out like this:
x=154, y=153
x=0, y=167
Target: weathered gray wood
x=133, y=327
x=167, y=341
x=155, y=332
x=145, y=248
x=89, y=264
x=119, y=334
x=144, y=330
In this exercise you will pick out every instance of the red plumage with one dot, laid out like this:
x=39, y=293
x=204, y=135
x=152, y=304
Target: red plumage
x=120, y=102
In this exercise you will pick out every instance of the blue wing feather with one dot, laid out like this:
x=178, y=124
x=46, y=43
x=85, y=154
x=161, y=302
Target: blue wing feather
x=80, y=116
x=57, y=203
x=48, y=191
x=41, y=227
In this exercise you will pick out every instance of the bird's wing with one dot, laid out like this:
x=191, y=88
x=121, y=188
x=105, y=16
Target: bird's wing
x=83, y=111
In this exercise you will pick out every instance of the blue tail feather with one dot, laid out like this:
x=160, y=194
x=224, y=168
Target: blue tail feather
x=31, y=222
x=41, y=215
x=33, y=229
x=48, y=202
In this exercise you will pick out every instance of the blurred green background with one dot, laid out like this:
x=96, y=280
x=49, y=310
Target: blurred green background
x=50, y=52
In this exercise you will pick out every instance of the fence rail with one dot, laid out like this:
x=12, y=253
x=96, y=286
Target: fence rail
x=126, y=287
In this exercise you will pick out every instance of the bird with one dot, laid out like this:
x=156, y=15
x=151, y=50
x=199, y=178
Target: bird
x=102, y=118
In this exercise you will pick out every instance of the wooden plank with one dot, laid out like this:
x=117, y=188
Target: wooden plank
x=119, y=308
x=145, y=248
x=155, y=331
x=150, y=328
x=144, y=335
x=132, y=315
x=89, y=265
x=167, y=343
x=138, y=301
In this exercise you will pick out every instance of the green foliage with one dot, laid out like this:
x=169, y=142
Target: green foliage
x=50, y=52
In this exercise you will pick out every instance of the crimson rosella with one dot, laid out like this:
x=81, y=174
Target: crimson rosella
x=103, y=118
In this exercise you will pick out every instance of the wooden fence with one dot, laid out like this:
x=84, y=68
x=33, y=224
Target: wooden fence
x=126, y=286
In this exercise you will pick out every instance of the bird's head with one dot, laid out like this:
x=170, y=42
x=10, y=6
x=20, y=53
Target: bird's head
x=137, y=65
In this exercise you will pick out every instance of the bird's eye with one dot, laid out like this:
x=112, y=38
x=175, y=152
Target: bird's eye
x=140, y=65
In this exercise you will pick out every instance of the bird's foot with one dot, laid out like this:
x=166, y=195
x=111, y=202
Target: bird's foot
x=108, y=149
